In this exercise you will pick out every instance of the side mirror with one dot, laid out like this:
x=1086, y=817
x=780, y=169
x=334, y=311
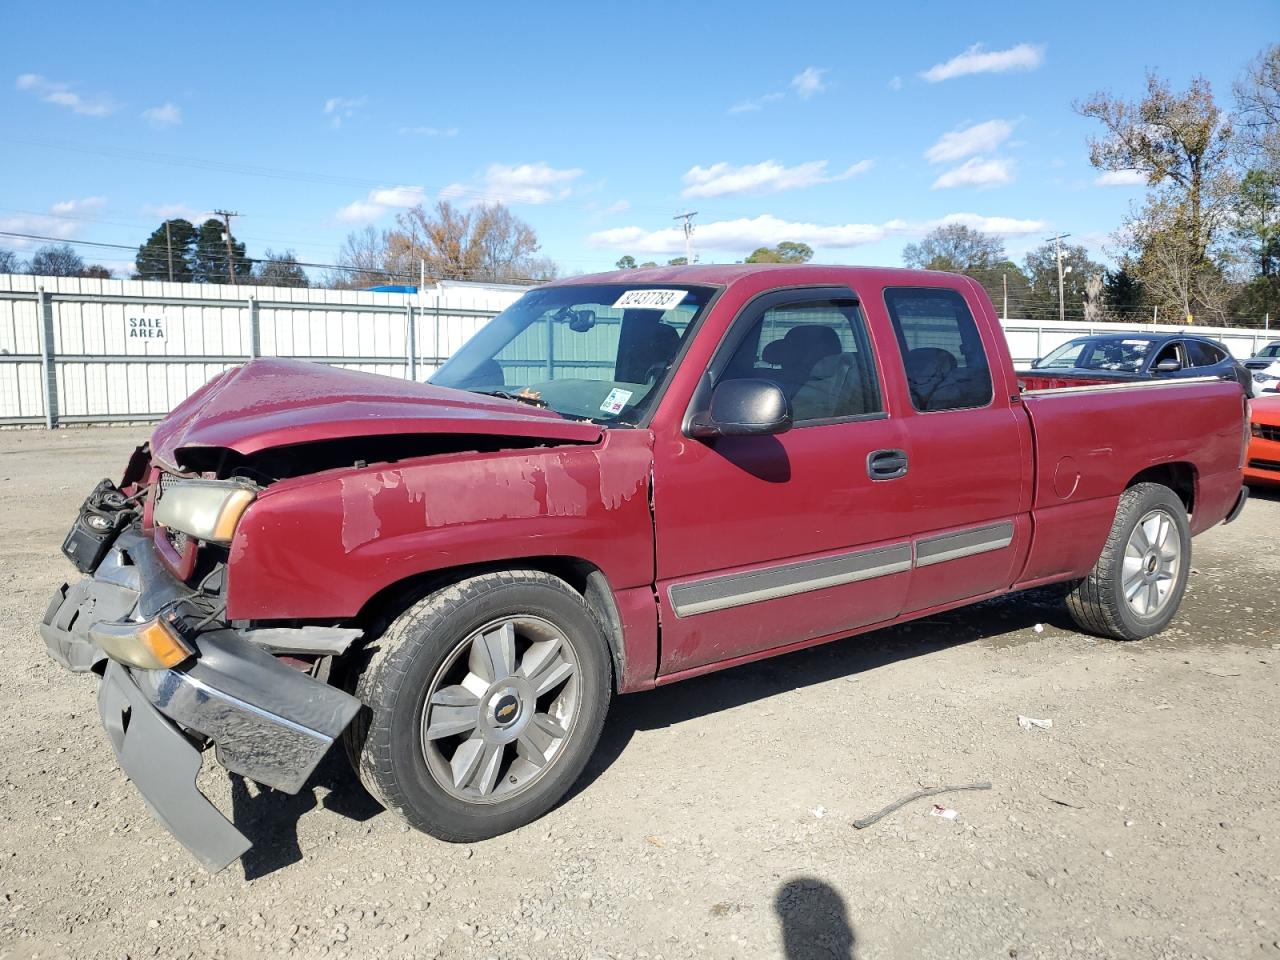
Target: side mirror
x=744, y=408
x=1168, y=366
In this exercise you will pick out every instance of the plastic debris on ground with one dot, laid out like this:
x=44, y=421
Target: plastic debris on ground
x=819, y=811
x=946, y=813
x=1026, y=723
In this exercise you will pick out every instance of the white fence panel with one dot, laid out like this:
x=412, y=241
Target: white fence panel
x=81, y=350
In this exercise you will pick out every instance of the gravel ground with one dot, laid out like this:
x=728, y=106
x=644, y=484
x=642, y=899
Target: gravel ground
x=715, y=820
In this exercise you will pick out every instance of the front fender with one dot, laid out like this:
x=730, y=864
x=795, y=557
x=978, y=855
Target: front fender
x=322, y=546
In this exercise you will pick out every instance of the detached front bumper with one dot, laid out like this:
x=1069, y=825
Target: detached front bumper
x=266, y=720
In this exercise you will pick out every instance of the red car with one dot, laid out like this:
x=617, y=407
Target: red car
x=1264, y=449
x=623, y=480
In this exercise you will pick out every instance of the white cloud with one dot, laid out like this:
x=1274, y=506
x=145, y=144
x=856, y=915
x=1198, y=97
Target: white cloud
x=895, y=83
x=1024, y=56
x=757, y=103
x=744, y=235
x=618, y=206
x=809, y=82
x=65, y=220
x=739, y=236
x=522, y=183
x=61, y=94
x=723, y=179
x=1004, y=226
x=1121, y=178
x=977, y=172
x=979, y=138
x=78, y=208
x=343, y=108
x=178, y=211
x=380, y=202
x=429, y=131
x=166, y=115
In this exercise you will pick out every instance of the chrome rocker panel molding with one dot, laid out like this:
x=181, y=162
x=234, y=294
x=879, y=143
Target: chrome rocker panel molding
x=787, y=579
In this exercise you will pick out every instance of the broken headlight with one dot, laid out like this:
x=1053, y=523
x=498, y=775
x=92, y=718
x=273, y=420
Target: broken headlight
x=205, y=509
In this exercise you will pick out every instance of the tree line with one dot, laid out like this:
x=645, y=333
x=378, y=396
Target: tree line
x=52, y=260
x=178, y=250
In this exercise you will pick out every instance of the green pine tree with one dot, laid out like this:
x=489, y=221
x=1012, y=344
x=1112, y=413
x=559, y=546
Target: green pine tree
x=210, y=261
x=152, y=262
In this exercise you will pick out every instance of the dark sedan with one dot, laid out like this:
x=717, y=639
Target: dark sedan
x=1145, y=355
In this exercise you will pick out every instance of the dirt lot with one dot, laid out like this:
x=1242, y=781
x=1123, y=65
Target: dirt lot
x=716, y=819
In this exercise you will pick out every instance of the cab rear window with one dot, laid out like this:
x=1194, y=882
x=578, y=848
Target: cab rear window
x=942, y=351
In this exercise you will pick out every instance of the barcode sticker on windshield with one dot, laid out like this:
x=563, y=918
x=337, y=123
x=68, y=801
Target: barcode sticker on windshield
x=650, y=299
x=615, y=401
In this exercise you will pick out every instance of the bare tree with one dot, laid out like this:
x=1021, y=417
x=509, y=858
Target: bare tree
x=279, y=270
x=1258, y=108
x=1185, y=286
x=1093, y=294
x=1176, y=140
x=56, y=261
x=485, y=242
x=954, y=247
x=363, y=261
x=9, y=262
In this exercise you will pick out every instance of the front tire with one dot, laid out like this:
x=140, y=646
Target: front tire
x=483, y=702
x=1136, y=586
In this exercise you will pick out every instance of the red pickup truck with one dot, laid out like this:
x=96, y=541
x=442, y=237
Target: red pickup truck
x=621, y=481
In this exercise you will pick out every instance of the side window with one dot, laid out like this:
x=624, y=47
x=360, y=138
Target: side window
x=941, y=348
x=1168, y=352
x=819, y=353
x=1203, y=354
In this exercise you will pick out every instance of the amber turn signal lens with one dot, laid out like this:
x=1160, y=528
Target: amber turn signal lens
x=152, y=645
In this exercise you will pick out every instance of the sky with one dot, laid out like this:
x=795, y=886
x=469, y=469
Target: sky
x=851, y=127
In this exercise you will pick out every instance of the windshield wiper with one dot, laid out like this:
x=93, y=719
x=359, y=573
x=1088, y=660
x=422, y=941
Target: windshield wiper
x=518, y=397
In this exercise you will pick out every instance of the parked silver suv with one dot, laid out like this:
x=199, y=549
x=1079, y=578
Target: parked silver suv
x=1264, y=367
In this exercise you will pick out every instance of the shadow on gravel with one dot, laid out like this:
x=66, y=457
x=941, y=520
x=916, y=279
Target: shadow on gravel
x=991, y=620
x=1261, y=492
x=269, y=818
x=815, y=921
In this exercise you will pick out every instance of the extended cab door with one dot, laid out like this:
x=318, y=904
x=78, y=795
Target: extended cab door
x=967, y=440
x=767, y=541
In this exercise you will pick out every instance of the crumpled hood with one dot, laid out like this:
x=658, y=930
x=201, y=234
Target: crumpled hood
x=272, y=402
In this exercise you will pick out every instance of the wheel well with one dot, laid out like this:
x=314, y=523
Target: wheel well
x=584, y=577
x=1179, y=477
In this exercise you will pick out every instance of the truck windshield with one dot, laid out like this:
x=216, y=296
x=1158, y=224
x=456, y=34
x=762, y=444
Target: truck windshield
x=597, y=351
x=1125, y=354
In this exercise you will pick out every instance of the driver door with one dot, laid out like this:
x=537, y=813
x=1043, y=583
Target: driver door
x=768, y=541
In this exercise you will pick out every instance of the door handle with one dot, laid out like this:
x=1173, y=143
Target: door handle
x=886, y=464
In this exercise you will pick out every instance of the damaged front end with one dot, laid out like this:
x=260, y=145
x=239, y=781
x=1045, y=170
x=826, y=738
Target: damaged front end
x=178, y=678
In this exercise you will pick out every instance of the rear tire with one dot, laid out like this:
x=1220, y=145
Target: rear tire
x=483, y=702
x=1136, y=586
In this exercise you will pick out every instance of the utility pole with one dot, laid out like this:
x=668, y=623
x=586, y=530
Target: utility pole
x=1004, y=279
x=1057, y=248
x=226, y=216
x=687, y=217
x=168, y=242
